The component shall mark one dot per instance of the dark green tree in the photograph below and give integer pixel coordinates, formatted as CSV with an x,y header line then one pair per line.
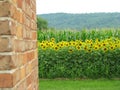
x,y
42,24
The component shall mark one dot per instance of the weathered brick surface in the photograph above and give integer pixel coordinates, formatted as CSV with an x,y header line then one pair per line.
x,y
7,62
6,44
16,77
4,27
18,45
4,9
6,80
22,72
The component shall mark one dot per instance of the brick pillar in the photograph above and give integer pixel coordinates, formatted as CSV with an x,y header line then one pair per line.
x,y
18,45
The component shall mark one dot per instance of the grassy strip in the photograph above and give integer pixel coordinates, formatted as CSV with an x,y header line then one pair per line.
x,y
79,85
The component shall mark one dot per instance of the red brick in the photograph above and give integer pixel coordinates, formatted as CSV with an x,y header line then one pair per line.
x,y
21,86
24,33
13,12
28,2
24,5
24,58
30,87
28,33
35,44
18,38
29,79
19,3
19,59
33,16
19,32
27,21
13,28
19,45
28,11
28,68
6,44
22,72
6,80
16,77
36,53
26,45
4,9
34,35
21,17
18,15
33,25
7,62
30,56
4,27
14,1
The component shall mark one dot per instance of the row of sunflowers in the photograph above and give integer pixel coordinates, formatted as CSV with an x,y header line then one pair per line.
x,y
88,45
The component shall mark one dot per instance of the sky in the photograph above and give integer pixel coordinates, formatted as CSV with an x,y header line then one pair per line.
x,y
77,6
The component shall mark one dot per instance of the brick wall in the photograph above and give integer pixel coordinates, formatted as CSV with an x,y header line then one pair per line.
x,y
18,45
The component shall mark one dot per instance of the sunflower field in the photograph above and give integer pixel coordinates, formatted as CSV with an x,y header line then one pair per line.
x,y
87,54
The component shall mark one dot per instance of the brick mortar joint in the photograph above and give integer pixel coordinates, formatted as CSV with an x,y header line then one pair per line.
x,y
5,18
7,53
4,0
7,71
10,19
11,2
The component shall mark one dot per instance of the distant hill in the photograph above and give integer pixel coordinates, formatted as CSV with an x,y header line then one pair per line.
x,y
80,21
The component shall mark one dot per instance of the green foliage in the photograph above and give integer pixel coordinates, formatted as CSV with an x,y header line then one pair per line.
x,y
69,35
68,62
80,21
79,64
42,24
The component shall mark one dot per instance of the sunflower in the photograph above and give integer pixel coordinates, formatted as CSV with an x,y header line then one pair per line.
x,y
61,44
43,47
80,43
105,49
51,44
87,41
99,45
47,44
41,44
52,39
111,47
85,48
56,48
91,44
67,44
103,44
70,50
116,45
96,47
78,47
73,43
58,45
89,50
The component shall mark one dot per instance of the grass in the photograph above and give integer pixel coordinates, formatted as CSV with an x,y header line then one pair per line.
x,y
79,85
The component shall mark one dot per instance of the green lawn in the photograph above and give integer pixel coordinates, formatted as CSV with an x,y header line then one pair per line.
x,y
79,85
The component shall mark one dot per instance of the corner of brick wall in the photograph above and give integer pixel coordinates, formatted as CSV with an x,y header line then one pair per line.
x,y
18,45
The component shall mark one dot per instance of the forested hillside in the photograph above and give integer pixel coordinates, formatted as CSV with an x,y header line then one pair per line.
x,y
80,21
